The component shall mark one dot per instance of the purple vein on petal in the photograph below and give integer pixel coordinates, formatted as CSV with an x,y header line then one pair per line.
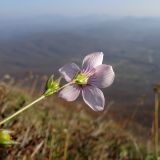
x,y
68,71
93,97
103,76
92,60
70,93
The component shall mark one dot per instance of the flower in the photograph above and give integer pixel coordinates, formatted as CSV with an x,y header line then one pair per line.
x,y
88,80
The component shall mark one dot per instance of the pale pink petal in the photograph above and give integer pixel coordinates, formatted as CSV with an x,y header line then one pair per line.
x,y
93,97
92,60
70,93
68,71
103,76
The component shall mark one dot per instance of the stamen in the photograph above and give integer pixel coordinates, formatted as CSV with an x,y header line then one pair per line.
x,y
81,79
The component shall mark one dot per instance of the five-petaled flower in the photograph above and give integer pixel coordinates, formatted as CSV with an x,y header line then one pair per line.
x,y
89,79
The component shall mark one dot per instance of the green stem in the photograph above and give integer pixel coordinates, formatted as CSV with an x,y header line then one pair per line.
x,y
66,146
29,105
156,124
22,110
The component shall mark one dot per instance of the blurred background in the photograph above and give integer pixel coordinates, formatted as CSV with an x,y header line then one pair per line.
x,y
38,37
41,36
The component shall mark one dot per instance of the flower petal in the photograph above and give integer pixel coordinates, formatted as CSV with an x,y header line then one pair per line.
x,y
92,60
70,93
93,97
103,76
68,71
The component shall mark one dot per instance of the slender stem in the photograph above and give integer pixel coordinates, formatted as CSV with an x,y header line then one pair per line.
x,y
66,146
22,110
29,105
156,124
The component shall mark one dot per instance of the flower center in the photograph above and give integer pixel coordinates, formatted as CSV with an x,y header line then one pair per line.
x,y
81,79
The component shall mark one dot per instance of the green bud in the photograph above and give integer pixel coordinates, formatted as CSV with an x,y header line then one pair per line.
x,y
52,86
5,138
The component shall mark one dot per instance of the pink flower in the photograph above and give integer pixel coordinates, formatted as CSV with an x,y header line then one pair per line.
x,y
88,80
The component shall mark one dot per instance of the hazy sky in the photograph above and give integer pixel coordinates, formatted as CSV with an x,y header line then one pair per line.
x,y
80,7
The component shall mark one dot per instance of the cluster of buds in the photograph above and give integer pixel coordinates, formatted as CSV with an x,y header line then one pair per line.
x,y
52,86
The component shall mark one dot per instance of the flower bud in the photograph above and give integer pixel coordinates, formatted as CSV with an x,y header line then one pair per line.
x,y
52,86
157,88
5,138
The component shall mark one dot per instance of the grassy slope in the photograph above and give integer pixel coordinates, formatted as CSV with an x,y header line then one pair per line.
x,y
57,130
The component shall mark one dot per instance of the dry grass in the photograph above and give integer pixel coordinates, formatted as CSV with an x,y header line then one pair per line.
x,y
56,130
